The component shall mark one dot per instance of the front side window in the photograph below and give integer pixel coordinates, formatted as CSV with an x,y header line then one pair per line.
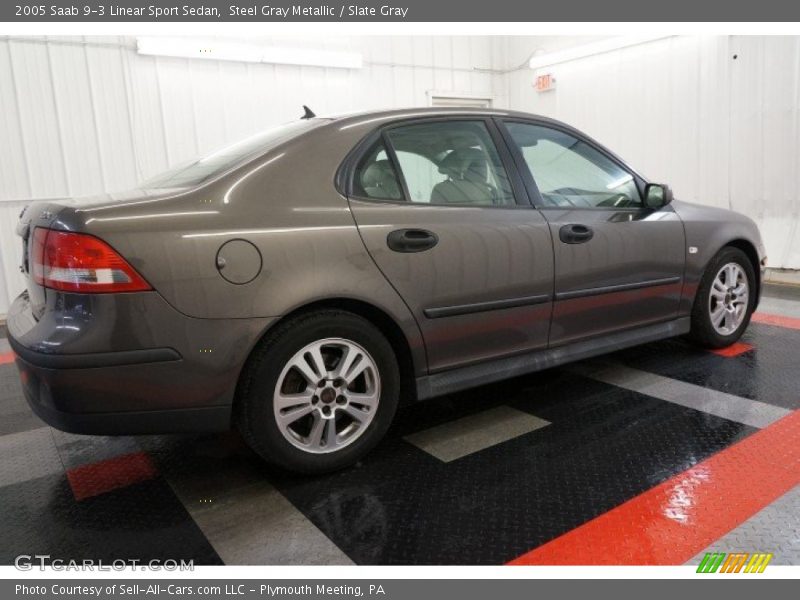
x,y
451,162
570,172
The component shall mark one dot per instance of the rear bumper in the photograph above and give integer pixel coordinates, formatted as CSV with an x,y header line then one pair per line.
x,y
93,360
56,387
128,364
38,392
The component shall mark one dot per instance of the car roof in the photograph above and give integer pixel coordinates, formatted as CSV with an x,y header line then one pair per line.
x,y
376,116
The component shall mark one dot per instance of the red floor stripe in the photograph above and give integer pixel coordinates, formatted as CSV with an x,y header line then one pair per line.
x,y
670,523
777,320
112,474
733,350
6,357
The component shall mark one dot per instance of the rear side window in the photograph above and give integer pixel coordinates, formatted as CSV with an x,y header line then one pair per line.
x,y
451,162
375,176
570,172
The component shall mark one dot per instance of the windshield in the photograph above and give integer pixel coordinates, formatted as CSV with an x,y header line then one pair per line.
x,y
198,170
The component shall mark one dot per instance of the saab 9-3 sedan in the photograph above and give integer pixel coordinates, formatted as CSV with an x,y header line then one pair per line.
x,y
297,284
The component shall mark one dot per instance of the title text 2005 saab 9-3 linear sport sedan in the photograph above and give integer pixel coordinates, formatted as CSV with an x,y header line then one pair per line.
x,y
298,283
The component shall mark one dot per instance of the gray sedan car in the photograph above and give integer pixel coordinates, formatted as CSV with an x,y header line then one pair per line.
x,y
299,283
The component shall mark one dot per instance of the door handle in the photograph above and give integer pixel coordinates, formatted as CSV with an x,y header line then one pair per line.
x,y
411,240
575,233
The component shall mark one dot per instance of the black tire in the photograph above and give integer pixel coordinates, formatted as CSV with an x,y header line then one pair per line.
x,y
253,408
703,332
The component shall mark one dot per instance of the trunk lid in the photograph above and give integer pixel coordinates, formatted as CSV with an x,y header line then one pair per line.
x,y
36,214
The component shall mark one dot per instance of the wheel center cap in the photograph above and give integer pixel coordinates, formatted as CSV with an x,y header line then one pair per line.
x,y
328,395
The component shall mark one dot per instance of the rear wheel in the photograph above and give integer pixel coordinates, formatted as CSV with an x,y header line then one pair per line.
x,y
318,392
725,299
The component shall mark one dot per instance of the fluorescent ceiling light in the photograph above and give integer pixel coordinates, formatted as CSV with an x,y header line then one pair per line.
x,y
189,48
585,50
216,50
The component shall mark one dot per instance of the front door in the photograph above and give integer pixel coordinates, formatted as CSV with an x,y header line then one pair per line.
x,y
617,264
456,236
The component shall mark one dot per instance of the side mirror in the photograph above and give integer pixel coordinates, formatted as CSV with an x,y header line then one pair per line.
x,y
657,195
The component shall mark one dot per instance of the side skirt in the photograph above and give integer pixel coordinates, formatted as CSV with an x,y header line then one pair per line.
x,y
463,378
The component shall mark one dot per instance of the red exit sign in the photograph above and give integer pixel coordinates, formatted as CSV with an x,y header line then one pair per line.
x,y
545,82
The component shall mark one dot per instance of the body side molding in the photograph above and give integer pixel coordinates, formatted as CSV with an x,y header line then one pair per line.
x,y
465,309
462,378
609,289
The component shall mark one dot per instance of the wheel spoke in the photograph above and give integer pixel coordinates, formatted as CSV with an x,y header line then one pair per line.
x,y
726,322
731,275
317,429
330,436
350,356
718,289
305,370
356,414
369,399
323,434
311,365
283,401
718,315
291,415
356,370
317,361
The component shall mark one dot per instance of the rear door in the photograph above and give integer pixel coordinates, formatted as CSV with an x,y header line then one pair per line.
x,y
449,224
617,264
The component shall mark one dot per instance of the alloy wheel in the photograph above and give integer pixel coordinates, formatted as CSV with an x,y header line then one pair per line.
x,y
728,299
327,395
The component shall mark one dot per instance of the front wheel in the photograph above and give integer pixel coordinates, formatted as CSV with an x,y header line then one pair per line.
x,y
725,299
318,392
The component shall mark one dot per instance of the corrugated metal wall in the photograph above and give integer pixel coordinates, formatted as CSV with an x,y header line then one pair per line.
x,y
721,130
80,116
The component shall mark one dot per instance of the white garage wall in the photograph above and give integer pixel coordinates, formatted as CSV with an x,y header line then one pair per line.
x,y
681,110
82,116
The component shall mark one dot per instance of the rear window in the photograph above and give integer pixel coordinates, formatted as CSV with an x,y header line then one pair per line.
x,y
201,169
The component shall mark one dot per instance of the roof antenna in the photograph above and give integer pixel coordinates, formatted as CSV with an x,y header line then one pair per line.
x,y
308,113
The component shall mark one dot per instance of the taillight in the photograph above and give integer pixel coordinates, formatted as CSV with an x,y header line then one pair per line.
x,y
77,262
